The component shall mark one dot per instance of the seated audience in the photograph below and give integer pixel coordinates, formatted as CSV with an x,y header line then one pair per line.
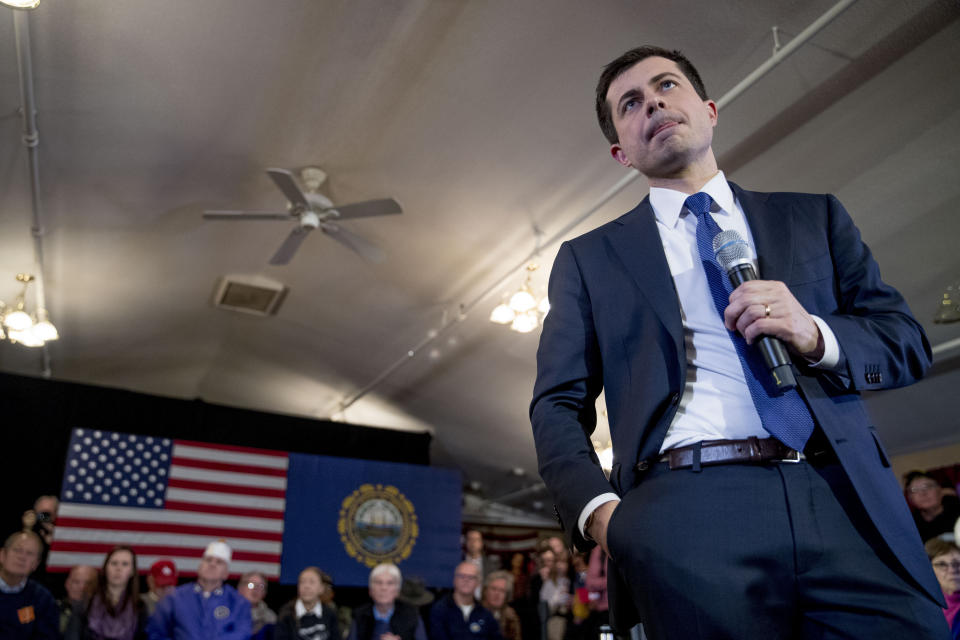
x,y
80,584
387,618
945,558
115,611
306,618
935,510
253,587
206,609
497,592
161,582
27,610
458,616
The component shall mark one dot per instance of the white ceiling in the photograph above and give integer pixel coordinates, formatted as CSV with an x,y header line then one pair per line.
x,y
477,116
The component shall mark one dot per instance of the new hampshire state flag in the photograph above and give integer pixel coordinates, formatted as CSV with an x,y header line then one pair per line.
x,y
346,516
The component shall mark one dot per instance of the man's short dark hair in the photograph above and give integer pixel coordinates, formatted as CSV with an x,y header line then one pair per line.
x,y
915,475
613,70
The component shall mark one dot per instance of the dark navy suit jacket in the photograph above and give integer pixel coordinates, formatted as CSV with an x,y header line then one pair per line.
x,y
615,324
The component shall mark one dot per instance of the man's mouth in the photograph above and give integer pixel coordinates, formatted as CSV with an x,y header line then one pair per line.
x,y
663,126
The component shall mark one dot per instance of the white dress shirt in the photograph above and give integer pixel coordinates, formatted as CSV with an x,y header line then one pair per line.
x,y
716,402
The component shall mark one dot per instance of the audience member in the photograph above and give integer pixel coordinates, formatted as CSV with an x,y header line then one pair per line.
x,y
474,552
27,610
597,590
934,510
414,592
253,587
520,574
387,618
497,592
115,611
206,609
80,584
161,582
945,558
458,616
42,520
555,594
306,618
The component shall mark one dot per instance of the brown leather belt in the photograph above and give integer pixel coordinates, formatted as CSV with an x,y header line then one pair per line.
x,y
714,452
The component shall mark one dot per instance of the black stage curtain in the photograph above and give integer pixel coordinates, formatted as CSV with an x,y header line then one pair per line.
x,y
38,416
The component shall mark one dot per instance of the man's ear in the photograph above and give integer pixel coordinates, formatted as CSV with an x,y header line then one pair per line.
x,y
617,152
711,111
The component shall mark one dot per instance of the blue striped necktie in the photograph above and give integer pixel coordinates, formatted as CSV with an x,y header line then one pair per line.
x,y
783,413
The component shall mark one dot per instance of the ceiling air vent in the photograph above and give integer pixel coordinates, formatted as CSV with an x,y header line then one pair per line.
x,y
256,295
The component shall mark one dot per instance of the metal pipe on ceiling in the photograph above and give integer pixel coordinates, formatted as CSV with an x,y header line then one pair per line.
x,y
804,36
31,140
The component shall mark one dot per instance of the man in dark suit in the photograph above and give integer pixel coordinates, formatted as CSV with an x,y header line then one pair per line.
x,y
734,509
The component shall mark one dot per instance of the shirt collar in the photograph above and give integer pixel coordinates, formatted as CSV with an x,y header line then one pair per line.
x,y
302,610
668,203
12,588
383,617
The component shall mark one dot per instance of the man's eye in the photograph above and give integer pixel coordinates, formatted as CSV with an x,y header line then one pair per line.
x,y
668,84
630,104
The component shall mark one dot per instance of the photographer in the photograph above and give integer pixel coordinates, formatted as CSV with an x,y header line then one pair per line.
x,y
42,520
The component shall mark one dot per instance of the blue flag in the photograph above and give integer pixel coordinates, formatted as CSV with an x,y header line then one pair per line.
x,y
345,516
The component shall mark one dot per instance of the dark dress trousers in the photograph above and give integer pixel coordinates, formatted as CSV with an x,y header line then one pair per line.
x,y
615,324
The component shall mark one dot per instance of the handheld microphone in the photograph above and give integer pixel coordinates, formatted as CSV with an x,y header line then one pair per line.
x,y
733,255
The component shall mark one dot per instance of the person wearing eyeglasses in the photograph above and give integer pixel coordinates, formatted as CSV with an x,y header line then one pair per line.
x,y
458,616
945,558
935,509
253,587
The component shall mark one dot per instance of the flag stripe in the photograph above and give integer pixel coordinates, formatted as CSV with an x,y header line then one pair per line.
x,y
230,511
139,539
229,478
271,453
213,498
227,466
245,459
72,528
158,550
225,488
116,516
186,565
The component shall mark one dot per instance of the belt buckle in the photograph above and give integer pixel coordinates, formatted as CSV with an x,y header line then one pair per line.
x,y
794,458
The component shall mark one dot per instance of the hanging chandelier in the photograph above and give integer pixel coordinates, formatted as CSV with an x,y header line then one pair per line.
x,y
21,327
522,310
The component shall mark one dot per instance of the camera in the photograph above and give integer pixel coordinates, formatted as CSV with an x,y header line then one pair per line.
x,y
44,516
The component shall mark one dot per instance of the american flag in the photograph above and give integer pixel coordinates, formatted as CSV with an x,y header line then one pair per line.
x,y
169,499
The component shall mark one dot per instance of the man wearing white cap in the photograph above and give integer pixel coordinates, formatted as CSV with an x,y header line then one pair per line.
x,y
206,609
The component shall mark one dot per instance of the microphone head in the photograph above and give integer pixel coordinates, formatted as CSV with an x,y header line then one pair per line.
x,y
730,249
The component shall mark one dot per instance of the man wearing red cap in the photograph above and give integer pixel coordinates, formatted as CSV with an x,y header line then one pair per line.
x,y
161,581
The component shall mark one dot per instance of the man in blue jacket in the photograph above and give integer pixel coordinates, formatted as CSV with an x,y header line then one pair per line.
x,y
206,609
27,610
458,616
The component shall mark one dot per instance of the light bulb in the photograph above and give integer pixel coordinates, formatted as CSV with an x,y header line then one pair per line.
x,y
18,321
44,330
522,301
25,337
525,322
544,306
502,314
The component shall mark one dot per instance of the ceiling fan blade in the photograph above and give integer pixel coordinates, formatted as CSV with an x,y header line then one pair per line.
x,y
352,241
285,182
384,207
290,245
246,215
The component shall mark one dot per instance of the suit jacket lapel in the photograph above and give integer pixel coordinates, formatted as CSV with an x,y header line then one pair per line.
x,y
772,234
637,243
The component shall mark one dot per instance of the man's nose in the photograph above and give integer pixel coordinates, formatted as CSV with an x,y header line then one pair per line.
x,y
655,104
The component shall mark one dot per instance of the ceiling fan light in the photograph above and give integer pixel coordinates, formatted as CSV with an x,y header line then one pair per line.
x,y
18,321
21,4
525,322
25,337
45,331
522,301
502,314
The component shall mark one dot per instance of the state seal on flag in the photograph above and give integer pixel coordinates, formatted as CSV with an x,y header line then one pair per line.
x,y
377,524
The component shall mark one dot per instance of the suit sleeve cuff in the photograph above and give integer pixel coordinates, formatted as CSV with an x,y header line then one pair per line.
x,y
831,348
590,508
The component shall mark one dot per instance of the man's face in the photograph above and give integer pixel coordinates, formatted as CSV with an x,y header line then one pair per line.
x,y
465,579
80,583
662,124
924,493
474,542
213,569
384,589
21,558
495,593
253,589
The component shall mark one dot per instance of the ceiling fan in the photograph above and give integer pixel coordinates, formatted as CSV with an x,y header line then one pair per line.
x,y
312,210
